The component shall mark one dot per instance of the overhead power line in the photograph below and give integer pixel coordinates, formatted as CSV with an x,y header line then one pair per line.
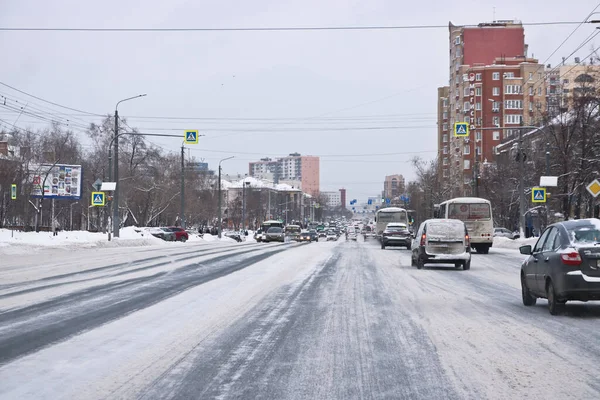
x,y
263,29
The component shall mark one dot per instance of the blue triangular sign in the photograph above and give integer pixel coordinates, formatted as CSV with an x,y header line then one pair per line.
x,y
539,195
98,199
191,136
461,130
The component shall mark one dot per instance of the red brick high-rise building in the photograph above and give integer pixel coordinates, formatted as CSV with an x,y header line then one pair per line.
x,y
492,84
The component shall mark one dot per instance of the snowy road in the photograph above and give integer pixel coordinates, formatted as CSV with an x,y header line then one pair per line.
x,y
323,320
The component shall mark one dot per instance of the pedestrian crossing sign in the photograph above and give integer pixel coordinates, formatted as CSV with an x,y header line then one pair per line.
x,y
461,129
191,137
538,195
98,199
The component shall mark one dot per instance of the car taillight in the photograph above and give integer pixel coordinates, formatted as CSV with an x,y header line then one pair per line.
x,y
572,258
423,237
467,240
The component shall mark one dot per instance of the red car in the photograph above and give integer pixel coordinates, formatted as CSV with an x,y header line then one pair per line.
x,y
180,234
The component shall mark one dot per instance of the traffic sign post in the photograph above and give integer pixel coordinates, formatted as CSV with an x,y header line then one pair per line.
x,y
98,199
594,188
461,129
538,195
13,191
190,137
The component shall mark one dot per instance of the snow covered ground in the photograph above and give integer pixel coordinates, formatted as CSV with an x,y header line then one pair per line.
x,y
325,320
506,243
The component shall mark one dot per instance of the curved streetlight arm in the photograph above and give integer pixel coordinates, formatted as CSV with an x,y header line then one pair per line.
x,y
129,98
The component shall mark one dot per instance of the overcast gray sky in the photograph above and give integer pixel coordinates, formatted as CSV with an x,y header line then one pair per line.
x,y
252,83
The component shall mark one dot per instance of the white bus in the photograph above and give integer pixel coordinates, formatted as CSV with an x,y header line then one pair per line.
x,y
476,213
389,214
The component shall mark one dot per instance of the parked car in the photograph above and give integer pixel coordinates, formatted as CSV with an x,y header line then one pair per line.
x,y
180,234
163,233
442,241
259,235
563,265
237,236
503,232
274,234
396,234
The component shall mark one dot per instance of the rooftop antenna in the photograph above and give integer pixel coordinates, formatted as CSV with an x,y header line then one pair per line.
x,y
494,19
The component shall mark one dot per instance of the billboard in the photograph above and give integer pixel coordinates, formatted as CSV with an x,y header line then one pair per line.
x,y
60,181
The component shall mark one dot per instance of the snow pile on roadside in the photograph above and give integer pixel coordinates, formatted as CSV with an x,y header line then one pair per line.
x,y
506,243
129,236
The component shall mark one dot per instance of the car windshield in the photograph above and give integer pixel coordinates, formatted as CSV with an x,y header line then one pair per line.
x,y
584,234
274,229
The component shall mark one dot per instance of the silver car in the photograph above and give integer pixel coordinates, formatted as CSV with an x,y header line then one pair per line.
x,y
443,241
274,234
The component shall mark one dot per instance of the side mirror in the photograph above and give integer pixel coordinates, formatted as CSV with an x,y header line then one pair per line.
x,y
525,250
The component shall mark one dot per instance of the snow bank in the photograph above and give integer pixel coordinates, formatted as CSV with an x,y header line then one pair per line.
x,y
506,243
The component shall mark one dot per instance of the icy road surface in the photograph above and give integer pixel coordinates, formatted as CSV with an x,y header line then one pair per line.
x,y
327,320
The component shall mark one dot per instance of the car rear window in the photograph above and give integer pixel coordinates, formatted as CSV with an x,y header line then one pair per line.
x,y
584,234
445,229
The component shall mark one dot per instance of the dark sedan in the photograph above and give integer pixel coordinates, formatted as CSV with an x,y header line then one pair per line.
x,y
563,265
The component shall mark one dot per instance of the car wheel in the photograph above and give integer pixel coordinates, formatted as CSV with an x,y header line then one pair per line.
x,y
466,265
528,298
420,263
183,239
554,306
409,247
458,264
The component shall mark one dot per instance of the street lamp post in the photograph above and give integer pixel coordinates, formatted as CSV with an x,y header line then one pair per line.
x,y
116,221
245,184
220,222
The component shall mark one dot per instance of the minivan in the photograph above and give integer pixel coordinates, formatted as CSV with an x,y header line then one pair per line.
x,y
442,241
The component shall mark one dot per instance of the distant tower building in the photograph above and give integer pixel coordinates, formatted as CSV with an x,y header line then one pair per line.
x,y
294,167
393,186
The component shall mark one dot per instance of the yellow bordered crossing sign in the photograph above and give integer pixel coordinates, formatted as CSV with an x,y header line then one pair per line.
x,y
538,195
190,137
461,129
98,199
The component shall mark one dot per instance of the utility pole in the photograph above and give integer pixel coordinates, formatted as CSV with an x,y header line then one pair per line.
x,y
547,174
116,221
182,187
521,184
220,222
243,204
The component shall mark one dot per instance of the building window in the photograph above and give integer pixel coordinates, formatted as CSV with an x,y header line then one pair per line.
x,y
496,121
445,173
531,90
467,164
456,80
496,106
509,74
445,151
539,91
477,136
444,127
466,106
444,115
496,135
478,91
566,81
457,92
466,91
496,91
531,76
513,118
513,104
467,150
479,121
445,102
445,138
457,40
445,162
496,76
513,89
478,106
478,150
539,76
467,118
530,106
478,77
458,52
